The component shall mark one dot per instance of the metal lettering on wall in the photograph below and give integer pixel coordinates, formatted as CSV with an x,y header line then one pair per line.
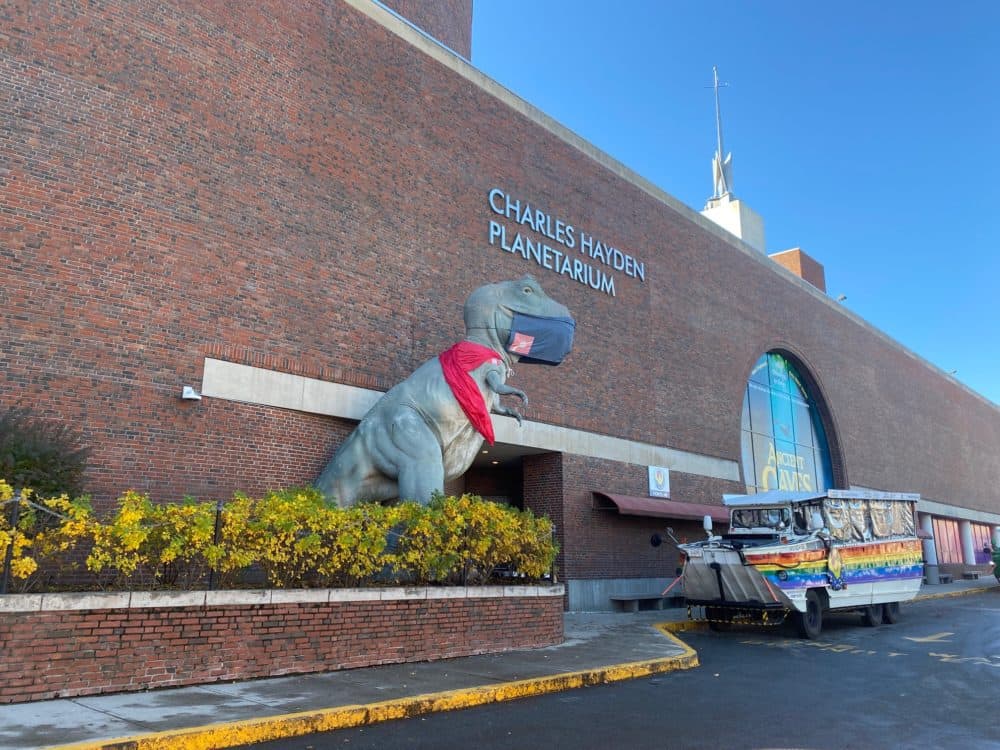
x,y
578,255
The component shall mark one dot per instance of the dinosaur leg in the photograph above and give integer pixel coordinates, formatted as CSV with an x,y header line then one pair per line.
x,y
416,453
341,479
351,475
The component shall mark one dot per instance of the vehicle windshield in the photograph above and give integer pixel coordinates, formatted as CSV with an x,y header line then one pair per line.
x,y
761,518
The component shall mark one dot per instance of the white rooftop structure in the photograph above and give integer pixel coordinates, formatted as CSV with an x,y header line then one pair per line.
x,y
723,207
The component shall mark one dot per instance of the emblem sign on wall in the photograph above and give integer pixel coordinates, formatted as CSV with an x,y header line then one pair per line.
x,y
659,481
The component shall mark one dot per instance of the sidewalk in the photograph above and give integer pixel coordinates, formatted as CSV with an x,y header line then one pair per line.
x,y
599,648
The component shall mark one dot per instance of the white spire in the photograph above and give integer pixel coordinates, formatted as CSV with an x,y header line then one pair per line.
x,y
722,169
723,208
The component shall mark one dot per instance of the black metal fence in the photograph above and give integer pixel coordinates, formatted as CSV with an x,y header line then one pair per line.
x,y
12,508
15,517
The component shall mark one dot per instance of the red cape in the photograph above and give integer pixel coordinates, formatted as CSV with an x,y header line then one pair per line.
x,y
456,364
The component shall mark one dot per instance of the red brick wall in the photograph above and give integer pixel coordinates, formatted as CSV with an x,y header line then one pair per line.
x,y
501,484
608,545
448,21
308,188
542,483
86,652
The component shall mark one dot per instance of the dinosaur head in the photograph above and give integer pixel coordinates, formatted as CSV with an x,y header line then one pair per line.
x,y
518,319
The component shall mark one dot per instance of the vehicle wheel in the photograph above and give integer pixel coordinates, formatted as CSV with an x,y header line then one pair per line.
x,y
890,613
872,615
810,622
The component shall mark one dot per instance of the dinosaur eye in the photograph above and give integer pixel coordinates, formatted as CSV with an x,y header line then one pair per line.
x,y
528,290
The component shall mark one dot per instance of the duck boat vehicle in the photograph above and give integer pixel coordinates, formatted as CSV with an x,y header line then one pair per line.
x,y
805,554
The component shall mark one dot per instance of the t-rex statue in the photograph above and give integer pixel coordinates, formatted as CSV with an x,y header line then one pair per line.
x,y
429,428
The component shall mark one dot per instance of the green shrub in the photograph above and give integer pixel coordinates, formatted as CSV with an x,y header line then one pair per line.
x,y
43,542
126,550
285,533
46,456
293,537
467,540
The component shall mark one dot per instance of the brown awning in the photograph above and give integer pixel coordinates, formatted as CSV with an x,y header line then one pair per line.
x,y
629,505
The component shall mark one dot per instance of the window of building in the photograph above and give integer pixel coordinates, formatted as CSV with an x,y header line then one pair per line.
x,y
981,543
947,541
784,445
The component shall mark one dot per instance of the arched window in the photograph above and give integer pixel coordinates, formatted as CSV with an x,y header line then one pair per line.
x,y
784,444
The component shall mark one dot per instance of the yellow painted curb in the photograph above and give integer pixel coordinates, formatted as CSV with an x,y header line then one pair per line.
x,y
684,626
950,594
230,734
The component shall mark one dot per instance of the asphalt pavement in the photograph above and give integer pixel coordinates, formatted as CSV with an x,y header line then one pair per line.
x,y
598,648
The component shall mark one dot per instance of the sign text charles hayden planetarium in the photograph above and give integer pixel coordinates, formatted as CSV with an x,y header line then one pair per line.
x,y
590,262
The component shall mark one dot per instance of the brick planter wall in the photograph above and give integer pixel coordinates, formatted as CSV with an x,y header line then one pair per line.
x,y
63,645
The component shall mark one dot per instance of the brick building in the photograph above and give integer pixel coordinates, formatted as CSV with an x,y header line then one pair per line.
x,y
285,207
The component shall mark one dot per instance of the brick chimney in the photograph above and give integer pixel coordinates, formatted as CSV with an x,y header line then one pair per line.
x,y
802,266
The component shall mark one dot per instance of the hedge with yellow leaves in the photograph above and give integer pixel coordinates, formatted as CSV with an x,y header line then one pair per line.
x,y
47,531
285,539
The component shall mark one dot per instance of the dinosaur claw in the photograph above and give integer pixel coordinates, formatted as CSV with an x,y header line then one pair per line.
x,y
509,412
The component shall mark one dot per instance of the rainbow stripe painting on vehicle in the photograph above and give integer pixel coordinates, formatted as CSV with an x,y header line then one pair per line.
x,y
871,562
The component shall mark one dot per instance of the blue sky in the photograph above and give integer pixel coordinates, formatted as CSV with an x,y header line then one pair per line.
x,y
865,133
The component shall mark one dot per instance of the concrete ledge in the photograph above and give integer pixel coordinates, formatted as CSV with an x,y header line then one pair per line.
x,y
85,600
300,596
256,385
21,603
140,599
238,597
355,595
395,594
486,592
448,592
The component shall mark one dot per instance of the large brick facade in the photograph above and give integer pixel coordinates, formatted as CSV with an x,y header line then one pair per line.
x,y
307,192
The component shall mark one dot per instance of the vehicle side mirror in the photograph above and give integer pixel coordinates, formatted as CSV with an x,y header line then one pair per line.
x,y
706,524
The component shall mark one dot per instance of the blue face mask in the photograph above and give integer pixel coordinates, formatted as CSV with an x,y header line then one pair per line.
x,y
541,341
